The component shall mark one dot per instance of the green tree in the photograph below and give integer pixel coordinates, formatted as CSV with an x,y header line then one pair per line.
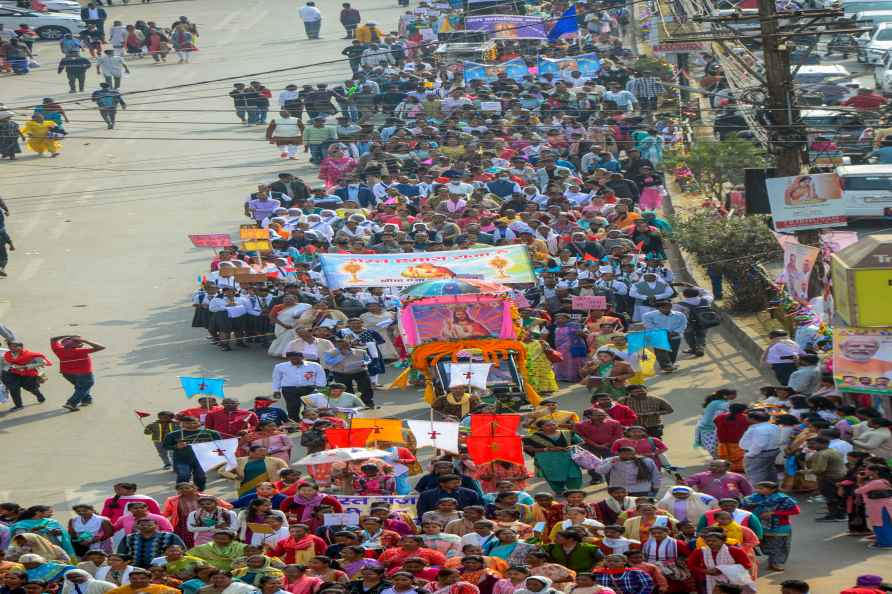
x,y
735,248
715,163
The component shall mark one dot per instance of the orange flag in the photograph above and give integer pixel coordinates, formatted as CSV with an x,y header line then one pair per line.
x,y
382,429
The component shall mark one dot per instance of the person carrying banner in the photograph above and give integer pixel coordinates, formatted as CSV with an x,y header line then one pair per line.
x,y
185,462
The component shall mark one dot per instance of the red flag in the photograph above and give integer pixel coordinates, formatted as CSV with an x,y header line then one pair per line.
x,y
486,449
639,246
494,425
142,414
347,438
589,258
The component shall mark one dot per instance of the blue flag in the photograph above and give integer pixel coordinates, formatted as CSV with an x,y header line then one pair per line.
x,y
566,24
657,339
202,385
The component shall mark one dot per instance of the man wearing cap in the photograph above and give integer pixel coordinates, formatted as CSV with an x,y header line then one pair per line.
x,y
674,323
295,378
646,293
231,421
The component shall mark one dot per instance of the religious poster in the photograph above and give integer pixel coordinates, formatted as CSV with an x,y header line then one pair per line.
x,y
456,321
806,201
587,64
862,360
515,69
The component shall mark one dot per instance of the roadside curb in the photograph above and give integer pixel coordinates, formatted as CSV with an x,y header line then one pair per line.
x,y
678,260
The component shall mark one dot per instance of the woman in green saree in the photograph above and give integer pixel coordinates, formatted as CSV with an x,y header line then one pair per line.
x,y
550,449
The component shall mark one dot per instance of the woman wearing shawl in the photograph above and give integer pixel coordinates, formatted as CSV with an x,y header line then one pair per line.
x,y
738,535
117,570
669,555
38,568
300,508
88,530
258,566
268,435
209,518
506,547
705,562
716,403
607,373
474,572
221,551
38,519
179,564
78,581
335,166
537,584
638,527
300,547
284,317
683,503
567,337
178,507
22,544
255,468
353,561
550,449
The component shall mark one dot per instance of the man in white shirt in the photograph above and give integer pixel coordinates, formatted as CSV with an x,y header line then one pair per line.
x,y
761,442
296,378
312,19
624,100
112,67
781,355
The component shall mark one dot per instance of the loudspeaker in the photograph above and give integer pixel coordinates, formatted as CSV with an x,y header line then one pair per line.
x,y
754,190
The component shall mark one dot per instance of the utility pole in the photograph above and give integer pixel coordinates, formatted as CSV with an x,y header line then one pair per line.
x,y
787,138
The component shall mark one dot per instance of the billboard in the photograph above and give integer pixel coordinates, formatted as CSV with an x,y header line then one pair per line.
x,y
806,201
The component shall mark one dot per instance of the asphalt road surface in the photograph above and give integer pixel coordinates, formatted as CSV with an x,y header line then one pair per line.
x,y
102,250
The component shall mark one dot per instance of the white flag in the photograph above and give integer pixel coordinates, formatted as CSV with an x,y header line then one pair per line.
x,y
473,374
212,454
436,434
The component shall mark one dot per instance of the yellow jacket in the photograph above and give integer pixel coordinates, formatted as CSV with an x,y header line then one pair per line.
x,y
364,33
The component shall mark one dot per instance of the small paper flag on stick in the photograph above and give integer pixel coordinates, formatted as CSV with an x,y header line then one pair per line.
x,y
142,414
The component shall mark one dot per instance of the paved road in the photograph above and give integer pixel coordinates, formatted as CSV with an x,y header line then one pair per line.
x,y
102,251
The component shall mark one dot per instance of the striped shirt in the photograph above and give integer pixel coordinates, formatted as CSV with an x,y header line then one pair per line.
x,y
144,549
649,409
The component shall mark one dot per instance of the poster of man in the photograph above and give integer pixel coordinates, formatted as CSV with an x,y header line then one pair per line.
x,y
862,360
799,260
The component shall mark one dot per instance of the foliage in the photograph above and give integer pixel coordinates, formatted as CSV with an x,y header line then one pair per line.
x,y
733,247
648,65
718,162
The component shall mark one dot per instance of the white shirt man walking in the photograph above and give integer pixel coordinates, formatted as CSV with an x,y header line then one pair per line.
x,y
296,378
761,442
312,19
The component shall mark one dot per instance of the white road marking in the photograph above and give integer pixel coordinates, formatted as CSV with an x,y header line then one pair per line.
x,y
254,22
30,270
225,22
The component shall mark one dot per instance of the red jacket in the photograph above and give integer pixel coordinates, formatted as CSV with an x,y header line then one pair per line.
x,y
24,358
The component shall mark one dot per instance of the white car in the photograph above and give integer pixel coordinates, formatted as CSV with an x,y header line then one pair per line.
x,y
69,6
882,75
874,50
48,25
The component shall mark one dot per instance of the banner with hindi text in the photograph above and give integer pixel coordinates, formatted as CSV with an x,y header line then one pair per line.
x,y
508,26
502,264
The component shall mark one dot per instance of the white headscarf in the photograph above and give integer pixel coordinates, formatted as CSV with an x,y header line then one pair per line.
x,y
91,586
696,504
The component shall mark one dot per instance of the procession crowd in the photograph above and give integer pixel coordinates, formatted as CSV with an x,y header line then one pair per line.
x,y
409,161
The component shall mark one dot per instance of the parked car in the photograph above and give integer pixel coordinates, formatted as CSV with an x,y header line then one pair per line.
x,y
882,75
847,130
48,25
69,6
879,42
866,190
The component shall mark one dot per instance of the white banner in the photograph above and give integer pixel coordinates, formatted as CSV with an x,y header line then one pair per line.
x,y
469,374
212,454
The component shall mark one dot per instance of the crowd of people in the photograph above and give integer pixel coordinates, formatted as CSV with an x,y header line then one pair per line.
x,y
570,166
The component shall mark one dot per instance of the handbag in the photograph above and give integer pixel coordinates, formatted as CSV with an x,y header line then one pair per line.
x,y
553,355
584,458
